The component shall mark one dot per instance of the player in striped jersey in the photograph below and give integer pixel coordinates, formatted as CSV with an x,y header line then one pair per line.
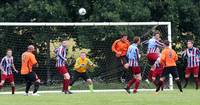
x,y
192,54
152,55
6,67
133,60
61,67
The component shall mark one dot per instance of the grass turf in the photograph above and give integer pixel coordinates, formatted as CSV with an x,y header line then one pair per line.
x,y
189,97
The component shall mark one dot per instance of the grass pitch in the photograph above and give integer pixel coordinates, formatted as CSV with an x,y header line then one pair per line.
x,y
189,97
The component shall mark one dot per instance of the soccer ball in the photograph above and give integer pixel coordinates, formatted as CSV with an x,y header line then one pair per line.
x,y
82,11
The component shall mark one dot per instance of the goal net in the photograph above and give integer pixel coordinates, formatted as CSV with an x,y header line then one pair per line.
x,y
94,38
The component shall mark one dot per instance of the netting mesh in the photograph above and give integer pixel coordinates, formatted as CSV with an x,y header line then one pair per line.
x,y
95,40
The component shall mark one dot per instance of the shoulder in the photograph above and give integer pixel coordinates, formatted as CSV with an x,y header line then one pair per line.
x,y
78,59
4,58
31,55
127,41
87,59
116,41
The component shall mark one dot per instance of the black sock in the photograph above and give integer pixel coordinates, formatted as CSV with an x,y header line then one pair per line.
x,y
178,82
159,85
28,85
36,87
186,82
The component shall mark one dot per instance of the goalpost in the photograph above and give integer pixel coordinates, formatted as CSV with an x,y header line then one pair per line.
x,y
75,26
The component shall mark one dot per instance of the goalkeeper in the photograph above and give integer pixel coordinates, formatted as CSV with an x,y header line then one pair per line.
x,y
81,67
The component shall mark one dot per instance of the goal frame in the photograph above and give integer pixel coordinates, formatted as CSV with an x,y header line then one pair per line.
x,y
168,24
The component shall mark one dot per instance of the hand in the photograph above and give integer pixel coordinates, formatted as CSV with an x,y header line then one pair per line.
x,y
94,65
37,65
82,65
4,73
16,71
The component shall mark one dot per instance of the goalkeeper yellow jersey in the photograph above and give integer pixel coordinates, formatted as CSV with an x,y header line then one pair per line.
x,y
82,65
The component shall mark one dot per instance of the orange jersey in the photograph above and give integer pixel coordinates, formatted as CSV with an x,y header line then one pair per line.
x,y
28,60
120,47
168,57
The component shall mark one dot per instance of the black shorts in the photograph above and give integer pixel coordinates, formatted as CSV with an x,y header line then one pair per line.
x,y
31,77
170,70
78,75
123,59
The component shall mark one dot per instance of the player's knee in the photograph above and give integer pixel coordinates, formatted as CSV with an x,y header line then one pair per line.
x,y
89,81
12,84
187,76
38,80
177,78
2,82
138,77
162,79
195,75
153,78
66,76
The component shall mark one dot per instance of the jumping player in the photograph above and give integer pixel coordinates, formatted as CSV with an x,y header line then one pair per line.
x,y
81,66
28,62
61,67
152,55
120,48
192,54
133,59
168,60
6,67
157,71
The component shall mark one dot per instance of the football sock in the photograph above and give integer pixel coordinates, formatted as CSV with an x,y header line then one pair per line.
x,y
155,83
28,85
65,85
130,83
13,89
91,88
137,84
36,87
178,82
1,86
159,85
196,82
186,82
150,75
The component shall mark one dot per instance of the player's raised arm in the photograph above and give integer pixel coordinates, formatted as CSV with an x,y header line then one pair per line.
x,y
159,44
145,42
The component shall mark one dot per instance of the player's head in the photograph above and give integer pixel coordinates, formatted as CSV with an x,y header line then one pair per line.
x,y
190,43
9,52
124,37
157,34
31,48
83,55
166,43
64,43
136,40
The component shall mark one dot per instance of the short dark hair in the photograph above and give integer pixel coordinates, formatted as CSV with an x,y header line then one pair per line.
x,y
122,35
191,41
156,32
136,39
166,42
9,49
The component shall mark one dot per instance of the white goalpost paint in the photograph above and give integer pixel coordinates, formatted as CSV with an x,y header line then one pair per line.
x,y
168,24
